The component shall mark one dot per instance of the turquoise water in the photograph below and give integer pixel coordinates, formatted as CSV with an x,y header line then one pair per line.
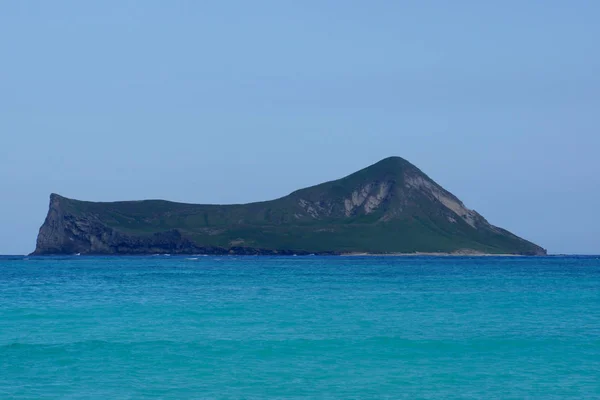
x,y
299,327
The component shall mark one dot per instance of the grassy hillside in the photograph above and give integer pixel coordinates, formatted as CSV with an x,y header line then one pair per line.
x,y
388,207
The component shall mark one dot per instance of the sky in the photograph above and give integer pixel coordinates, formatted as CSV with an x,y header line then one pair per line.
x,y
239,101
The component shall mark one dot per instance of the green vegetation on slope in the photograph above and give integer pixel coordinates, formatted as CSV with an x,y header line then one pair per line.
x,y
388,207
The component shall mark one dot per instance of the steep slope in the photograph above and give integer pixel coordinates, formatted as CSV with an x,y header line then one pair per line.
x,y
389,207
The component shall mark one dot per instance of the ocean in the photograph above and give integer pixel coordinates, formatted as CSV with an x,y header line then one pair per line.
x,y
299,327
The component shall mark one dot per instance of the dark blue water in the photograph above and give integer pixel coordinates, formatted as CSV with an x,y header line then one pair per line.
x,y
300,327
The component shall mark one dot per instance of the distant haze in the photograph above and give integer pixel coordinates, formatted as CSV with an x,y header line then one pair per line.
x,y
232,102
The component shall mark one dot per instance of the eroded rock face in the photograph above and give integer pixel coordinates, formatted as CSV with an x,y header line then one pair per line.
x,y
365,199
51,235
436,192
311,208
64,233
369,197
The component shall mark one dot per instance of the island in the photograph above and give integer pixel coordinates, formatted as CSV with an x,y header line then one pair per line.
x,y
390,207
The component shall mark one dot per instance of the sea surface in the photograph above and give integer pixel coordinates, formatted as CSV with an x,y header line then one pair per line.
x,y
299,327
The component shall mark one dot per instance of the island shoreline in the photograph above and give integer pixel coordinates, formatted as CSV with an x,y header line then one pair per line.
x,y
286,254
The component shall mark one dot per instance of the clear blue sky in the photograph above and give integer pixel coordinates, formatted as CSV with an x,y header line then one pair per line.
x,y
236,101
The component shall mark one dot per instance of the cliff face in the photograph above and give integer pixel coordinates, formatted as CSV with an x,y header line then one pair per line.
x,y
66,233
63,232
388,207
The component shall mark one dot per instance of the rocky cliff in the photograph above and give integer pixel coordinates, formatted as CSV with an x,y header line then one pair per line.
x,y
389,207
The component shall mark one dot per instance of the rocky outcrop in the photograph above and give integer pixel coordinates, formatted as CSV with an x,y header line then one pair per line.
x,y
389,207
66,233
368,197
428,187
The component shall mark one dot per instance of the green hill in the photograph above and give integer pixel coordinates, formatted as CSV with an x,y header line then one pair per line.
x,y
389,207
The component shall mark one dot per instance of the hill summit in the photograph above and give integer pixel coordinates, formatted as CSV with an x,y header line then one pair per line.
x,y
388,207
